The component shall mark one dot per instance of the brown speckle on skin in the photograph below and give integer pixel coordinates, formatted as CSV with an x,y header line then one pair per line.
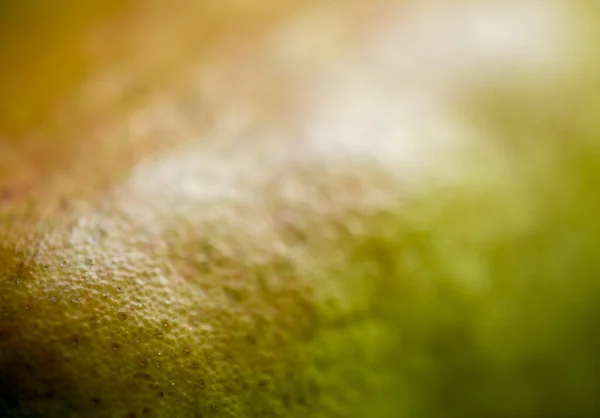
x,y
6,194
64,204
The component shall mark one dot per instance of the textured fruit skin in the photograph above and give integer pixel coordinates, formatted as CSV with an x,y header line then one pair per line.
x,y
96,320
247,274
125,294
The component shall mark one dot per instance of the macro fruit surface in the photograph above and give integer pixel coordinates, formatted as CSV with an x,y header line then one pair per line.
x,y
245,209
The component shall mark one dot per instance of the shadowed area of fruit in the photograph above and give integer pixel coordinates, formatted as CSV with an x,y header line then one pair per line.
x,y
242,209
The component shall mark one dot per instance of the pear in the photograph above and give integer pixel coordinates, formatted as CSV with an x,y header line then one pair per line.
x,y
305,218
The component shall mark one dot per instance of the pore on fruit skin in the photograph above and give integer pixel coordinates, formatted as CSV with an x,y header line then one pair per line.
x,y
354,210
